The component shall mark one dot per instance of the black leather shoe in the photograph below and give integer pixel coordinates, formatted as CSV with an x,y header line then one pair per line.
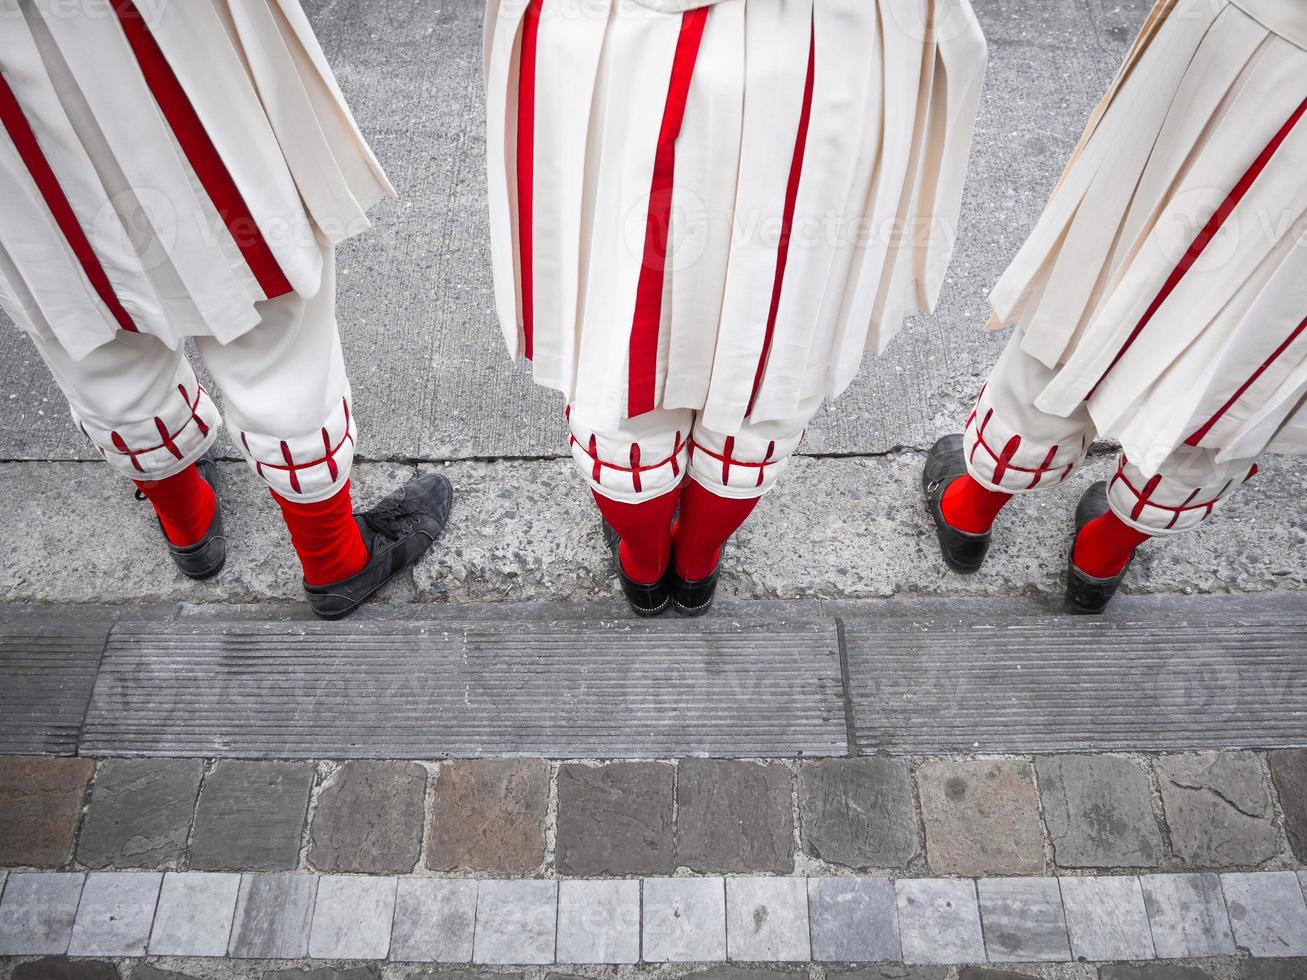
x,y
694,598
1085,594
963,552
205,558
398,531
644,600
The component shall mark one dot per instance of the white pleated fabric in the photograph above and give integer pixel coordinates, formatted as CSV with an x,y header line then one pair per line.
x,y
256,77
1164,282
874,189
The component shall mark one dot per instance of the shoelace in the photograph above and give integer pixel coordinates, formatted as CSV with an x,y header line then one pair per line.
x,y
390,518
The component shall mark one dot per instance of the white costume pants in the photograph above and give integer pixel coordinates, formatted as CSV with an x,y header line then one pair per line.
x,y
648,456
1014,447
284,390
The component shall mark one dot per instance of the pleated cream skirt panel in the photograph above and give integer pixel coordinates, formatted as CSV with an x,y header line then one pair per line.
x,y
803,160
1165,280
266,100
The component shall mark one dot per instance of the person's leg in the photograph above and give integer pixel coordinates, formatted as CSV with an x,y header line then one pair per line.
x,y
635,474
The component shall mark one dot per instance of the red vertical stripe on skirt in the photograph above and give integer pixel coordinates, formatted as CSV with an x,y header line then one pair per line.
x,y
1209,232
200,151
526,139
643,354
33,157
787,221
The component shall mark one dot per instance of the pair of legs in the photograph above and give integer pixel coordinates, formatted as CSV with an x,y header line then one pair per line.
x,y
1011,447
656,464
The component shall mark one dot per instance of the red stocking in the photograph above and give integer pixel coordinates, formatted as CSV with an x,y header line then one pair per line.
x,y
970,507
1105,545
326,537
646,532
185,505
706,522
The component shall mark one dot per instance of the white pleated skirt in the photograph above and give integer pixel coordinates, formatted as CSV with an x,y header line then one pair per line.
x,y
1166,283
719,206
165,166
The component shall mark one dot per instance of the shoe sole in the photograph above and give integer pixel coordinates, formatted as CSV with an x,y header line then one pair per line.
x,y
363,599
693,611
649,613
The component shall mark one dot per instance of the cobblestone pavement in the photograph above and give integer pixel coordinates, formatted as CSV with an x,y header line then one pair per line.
x,y
1187,865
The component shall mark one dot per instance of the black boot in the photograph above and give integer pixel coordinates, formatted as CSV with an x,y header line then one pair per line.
x,y
1085,594
205,558
644,600
694,598
963,552
398,531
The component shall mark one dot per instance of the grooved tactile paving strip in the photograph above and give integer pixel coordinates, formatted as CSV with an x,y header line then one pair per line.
x,y
430,690
1075,684
47,671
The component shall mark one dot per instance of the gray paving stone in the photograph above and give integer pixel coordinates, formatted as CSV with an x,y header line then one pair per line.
x,y
734,816
735,971
1099,812
455,974
369,818
615,819
147,971
516,922
1187,915
891,971
981,816
195,914
140,813
767,920
61,968
115,913
251,816
352,918
434,920
599,921
684,920
1152,971
1283,969
1023,920
1289,774
854,920
991,973
489,815
37,912
1106,918
859,813
365,972
1267,913
273,915
40,806
939,920
1218,808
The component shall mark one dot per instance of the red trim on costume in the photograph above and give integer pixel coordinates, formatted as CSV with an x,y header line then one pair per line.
x,y
1198,436
1208,233
636,468
292,468
1044,467
168,438
1004,466
636,483
1005,459
200,151
1144,497
526,138
771,451
728,460
33,157
642,365
787,221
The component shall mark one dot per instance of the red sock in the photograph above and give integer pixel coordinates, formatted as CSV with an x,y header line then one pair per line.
x,y
185,505
706,522
646,533
326,537
1105,545
969,507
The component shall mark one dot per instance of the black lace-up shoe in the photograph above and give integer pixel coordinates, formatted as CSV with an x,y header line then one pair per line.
x,y
205,558
644,600
963,552
398,531
1085,594
695,597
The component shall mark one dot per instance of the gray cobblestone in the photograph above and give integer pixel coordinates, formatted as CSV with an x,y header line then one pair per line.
x,y
1106,918
734,817
1187,915
1099,812
1023,920
369,818
1218,808
273,915
40,806
195,914
37,912
61,968
939,921
352,918
1153,971
767,920
115,913
140,813
434,920
489,815
598,921
1267,913
1289,773
1282,969
982,817
853,920
251,816
684,920
516,922
615,819
858,813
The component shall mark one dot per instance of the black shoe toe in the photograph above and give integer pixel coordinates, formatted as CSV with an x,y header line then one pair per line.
x,y
961,551
1086,595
